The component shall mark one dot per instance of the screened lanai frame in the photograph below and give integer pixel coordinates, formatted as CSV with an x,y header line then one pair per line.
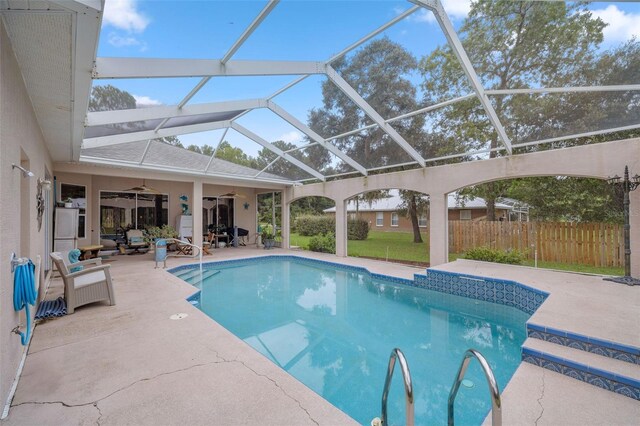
x,y
184,118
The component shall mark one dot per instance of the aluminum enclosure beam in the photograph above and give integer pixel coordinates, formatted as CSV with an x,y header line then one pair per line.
x,y
441,16
250,29
315,137
151,134
139,114
248,133
373,114
616,88
107,68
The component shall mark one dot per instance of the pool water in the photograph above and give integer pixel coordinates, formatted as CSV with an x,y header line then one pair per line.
x,y
334,329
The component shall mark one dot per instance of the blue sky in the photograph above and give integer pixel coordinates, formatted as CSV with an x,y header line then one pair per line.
x,y
295,30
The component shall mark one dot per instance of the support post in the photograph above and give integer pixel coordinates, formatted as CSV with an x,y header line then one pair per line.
x,y
634,221
341,228
197,212
286,217
438,229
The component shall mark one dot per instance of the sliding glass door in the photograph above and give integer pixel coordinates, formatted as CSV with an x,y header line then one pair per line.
x,y
121,211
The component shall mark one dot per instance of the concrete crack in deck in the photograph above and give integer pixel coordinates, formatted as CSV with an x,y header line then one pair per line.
x,y
281,390
144,379
99,412
540,400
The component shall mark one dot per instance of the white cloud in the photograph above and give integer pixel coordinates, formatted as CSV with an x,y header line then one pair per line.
x,y
291,137
145,101
621,25
126,41
456,9
123,14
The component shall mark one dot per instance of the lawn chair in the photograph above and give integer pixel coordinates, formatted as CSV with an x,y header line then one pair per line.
x,y
135,241
91,284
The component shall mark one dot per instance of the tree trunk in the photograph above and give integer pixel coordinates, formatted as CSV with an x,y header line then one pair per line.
x,y
413,212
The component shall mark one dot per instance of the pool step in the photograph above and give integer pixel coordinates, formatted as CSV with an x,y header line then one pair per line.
x,y
608,373
195,278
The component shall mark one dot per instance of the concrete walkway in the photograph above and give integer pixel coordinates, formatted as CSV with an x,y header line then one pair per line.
x,y
131,364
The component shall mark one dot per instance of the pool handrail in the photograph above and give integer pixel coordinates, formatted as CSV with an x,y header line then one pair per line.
x,y
408,386
177,240
496,402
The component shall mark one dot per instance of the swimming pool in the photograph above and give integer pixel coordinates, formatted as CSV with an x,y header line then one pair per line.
x,y
333,328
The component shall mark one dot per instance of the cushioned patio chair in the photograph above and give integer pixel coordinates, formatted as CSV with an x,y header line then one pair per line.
x,y
91,284
135,241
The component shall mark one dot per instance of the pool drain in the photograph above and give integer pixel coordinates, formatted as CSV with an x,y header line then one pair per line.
x,y
178,316
467,383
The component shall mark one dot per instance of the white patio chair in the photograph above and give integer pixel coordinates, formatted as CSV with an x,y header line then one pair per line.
x,y
91,284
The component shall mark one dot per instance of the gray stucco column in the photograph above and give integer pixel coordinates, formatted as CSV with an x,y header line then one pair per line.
x,y
438,229
197,213
634,221
286,218
341,228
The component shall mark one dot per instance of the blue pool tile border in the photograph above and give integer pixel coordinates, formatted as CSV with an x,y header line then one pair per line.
x,y
594,376
502,292
581,342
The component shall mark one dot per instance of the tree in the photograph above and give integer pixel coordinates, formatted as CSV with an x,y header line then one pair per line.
x,y
110,98
235,155
511,45
380,73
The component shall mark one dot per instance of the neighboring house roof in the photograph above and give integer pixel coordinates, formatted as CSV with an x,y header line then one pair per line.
x,y
170,156
394,201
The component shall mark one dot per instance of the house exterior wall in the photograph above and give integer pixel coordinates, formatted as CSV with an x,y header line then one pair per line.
x,y
96,183
21,140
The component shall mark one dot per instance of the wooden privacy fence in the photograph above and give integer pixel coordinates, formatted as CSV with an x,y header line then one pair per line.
x,y
596,244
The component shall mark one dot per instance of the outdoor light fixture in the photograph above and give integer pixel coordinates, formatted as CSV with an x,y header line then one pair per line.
x,y
25,172
626,185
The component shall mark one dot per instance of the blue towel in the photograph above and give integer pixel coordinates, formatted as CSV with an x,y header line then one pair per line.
x,y
51,308
74,257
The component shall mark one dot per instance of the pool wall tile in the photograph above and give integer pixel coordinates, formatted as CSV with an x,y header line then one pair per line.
x,y
603,379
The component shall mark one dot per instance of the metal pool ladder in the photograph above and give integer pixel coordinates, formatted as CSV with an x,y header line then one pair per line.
x,y
496,403
408,387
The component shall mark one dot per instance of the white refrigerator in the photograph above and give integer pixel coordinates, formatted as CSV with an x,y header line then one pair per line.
x,y
65,237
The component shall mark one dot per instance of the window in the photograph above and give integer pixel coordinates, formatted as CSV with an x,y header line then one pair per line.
x,y
379,219
394,219
422,220
120,211
465,214
78,196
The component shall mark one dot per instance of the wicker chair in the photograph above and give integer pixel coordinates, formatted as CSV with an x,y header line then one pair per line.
x,y
91,284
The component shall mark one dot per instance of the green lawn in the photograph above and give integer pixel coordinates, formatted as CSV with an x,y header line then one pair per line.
x,y
400,246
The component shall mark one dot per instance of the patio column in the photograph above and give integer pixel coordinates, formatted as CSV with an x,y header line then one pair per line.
x,y
197,212
438,229
341,228
634,221
286,217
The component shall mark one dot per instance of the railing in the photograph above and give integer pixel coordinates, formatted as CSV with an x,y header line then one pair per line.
x,y
408,387
176,240
496,403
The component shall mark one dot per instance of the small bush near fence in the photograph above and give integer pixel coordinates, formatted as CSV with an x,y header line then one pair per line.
x,y
487,254
325,243
357,229
309,225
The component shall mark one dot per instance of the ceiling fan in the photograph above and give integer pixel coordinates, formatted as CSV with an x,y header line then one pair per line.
x,y
232,194
143,189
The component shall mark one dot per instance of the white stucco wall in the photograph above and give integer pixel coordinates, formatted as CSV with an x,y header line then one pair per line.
x,y
20,137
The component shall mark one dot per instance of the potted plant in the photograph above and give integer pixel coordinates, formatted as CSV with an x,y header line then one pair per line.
x,y
68,203
268,237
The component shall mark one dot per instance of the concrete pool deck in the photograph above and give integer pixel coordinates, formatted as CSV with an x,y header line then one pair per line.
x,y
131,364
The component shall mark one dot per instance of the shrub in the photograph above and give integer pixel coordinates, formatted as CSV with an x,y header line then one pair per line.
x,y
513,257
310,225
357,229
325,243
